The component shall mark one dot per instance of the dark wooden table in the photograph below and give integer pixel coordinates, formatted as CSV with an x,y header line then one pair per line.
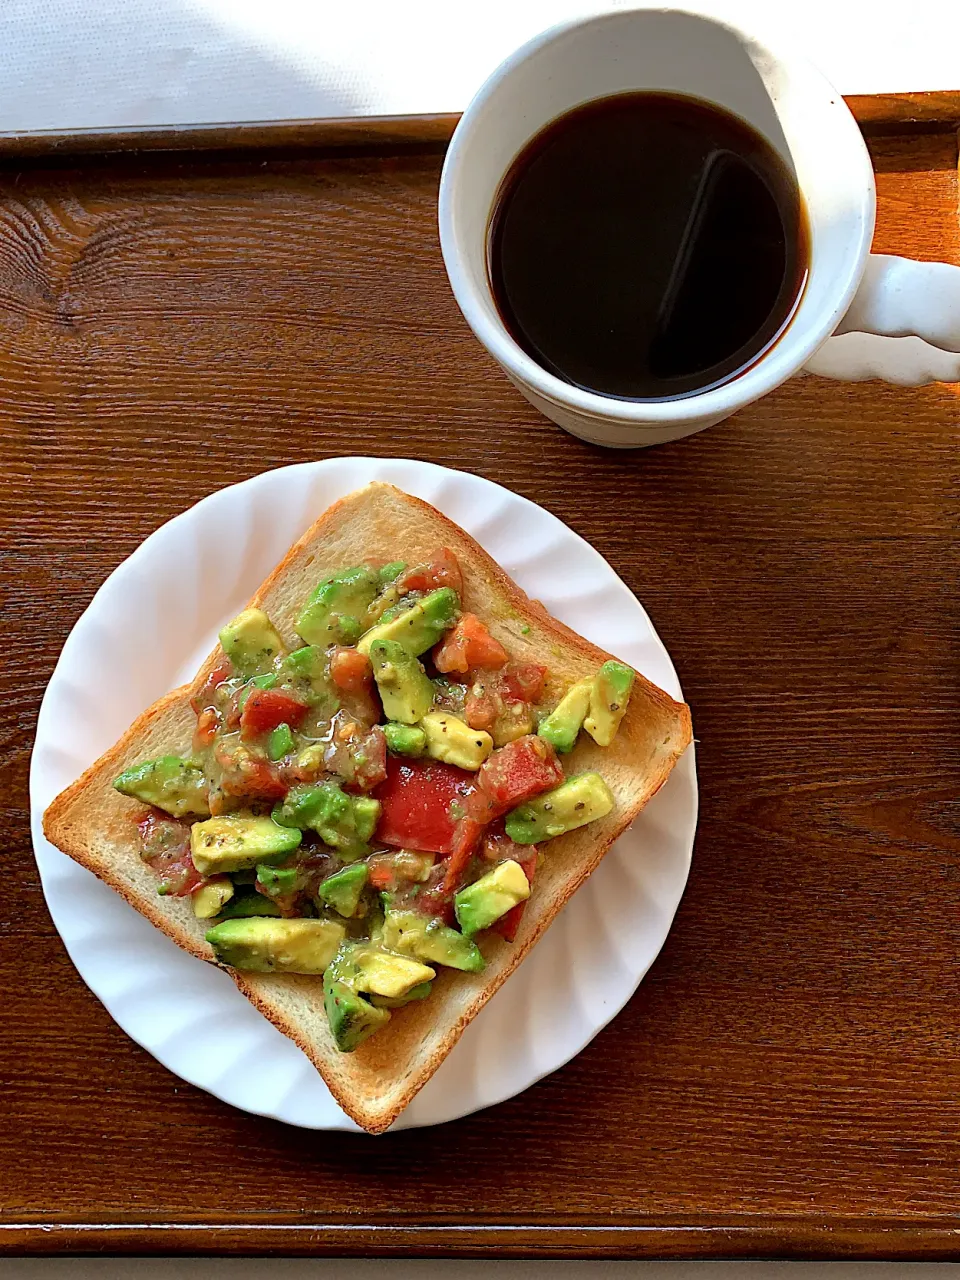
x,y
786,1080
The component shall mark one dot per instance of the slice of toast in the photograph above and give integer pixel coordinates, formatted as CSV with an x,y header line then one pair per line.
x,y
96,825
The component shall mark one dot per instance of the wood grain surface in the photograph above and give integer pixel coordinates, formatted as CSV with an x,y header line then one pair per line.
x,y
786,1080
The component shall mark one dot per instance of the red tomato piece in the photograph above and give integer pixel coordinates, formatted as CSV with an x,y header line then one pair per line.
x,y
220,802
247,776
264,709
491,695
508,924
350,670
403,867
481,706
466,839
357,754
208,722
165,845
231,712
523,681
442,570
496,843
206,697
434,900
416,801
514,774
381,874
469,644
368,756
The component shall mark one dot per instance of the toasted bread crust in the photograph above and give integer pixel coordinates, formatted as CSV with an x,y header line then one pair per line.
x,y
94,825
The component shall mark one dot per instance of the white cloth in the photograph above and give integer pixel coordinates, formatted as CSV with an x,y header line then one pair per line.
x,y
73,64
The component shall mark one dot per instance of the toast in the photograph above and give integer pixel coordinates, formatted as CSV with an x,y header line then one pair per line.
x,y
91,822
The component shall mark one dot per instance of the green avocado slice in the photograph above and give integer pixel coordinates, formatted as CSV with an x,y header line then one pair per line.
x,y
173,784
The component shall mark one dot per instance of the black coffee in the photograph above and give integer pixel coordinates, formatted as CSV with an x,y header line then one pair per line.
x,y
647,246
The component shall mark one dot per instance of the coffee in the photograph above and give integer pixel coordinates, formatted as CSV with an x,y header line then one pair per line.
x,y
647,246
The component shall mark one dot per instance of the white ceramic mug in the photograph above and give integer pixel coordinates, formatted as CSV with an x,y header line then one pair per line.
x,y
800,114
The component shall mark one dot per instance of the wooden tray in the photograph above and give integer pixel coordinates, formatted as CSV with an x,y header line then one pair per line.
x,y
180,311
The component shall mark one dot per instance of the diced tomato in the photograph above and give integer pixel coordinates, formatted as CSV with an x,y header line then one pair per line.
x,y
434,900
363,705
514,774
307,766
469,644
357,754
206,696
231,712
523,681
369,760
508,924
495,842
208,722
381,875
220,802
264,709
416,801
466,838
350,670
352,673
505,696
165,845
259,780
391,870
247,775
442,570
481,706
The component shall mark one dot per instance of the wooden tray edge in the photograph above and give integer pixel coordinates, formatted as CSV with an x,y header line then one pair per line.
x,y
876,113
357,132
745,1237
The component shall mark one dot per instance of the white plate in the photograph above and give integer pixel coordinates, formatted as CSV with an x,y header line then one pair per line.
x,y
147,630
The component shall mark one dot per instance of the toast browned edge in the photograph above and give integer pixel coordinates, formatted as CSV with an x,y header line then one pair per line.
x,y
61,832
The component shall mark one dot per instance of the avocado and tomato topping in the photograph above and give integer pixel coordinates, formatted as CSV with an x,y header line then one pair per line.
x,y
366,803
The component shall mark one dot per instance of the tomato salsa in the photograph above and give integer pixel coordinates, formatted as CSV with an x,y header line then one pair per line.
x,y
370,802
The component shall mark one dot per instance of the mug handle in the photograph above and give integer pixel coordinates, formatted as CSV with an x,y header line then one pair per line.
x,y
898,298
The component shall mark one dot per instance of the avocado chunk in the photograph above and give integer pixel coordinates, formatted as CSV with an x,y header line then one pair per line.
x,y
248,903
237,841
280,742
609,696
405,690
352,1019
337,610
390,572
454,742
210,898
384,973
342,890
419,992
372,970
430,940
418,628
562,725
266,945
306,673
344,822
177,786
251,642
278,882
492,896
573,804
404,739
